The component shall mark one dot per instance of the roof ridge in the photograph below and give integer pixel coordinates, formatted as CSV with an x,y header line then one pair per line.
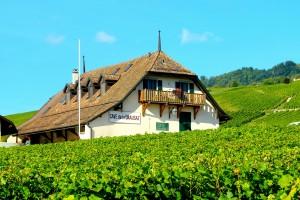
x,y
113,65
154,61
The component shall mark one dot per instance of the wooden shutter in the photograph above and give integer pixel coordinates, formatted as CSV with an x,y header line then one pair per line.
x,y
177,85
159,84
145,84
192,90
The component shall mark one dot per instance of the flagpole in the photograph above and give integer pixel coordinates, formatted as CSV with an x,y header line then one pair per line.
x,y
79,88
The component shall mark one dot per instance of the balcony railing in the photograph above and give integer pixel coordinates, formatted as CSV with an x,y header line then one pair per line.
x,y
171,97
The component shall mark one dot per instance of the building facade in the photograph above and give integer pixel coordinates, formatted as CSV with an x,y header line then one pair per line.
x,y
149,94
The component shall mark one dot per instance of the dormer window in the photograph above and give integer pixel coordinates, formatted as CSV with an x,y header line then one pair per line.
x,y
70,91
109,83
91,89
68,96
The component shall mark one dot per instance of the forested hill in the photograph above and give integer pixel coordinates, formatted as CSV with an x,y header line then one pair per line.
x,y
282,72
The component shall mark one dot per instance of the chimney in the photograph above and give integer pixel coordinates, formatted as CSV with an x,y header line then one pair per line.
x,y
83,64
74,76
159,42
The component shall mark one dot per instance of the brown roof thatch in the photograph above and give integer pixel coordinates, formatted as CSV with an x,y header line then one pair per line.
x,y
56,115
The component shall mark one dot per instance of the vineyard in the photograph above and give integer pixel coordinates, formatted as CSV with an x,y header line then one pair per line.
x,y
256,155
247,103
277,119
228,163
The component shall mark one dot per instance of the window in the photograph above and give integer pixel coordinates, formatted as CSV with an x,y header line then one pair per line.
x,y
118,107
128,67
152,84
115,71
185,87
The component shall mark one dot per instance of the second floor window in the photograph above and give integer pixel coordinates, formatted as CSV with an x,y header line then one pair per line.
x,y
152,84
185,87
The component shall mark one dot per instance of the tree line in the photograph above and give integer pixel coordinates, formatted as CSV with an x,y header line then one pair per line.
x,y
281,73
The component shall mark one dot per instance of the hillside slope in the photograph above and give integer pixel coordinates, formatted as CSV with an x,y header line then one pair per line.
x,y
247,103
20,118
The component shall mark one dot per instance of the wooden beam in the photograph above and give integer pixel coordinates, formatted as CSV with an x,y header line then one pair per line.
x,y
170,111
74,132
65,135
51,134
46,136
179,108
196,110
161,109
144,107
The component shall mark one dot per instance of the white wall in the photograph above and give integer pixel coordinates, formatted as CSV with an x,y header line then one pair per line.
x,y
206,118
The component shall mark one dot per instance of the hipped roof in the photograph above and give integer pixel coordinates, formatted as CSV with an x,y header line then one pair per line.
x,y
55,115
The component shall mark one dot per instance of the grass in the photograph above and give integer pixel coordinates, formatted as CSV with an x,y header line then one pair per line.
x,y
20,118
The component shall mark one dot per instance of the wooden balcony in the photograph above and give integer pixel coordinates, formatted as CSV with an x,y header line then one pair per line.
x,y
171,97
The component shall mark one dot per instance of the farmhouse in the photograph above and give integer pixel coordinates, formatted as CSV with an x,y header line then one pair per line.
x,y
6,127
149,94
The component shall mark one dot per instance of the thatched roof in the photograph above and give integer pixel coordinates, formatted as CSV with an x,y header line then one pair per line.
x,y
56,115
7,126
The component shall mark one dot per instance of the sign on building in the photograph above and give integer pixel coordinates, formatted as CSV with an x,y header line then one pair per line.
x,y
124,117
162,126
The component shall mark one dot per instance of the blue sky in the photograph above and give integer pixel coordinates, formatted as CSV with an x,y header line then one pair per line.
x,y
38,39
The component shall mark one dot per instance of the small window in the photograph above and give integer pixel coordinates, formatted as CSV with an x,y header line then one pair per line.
x,y
128,67
115,71
118,107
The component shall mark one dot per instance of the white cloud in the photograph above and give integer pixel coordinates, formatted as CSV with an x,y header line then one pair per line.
x,y
190,37
105,37
55,39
